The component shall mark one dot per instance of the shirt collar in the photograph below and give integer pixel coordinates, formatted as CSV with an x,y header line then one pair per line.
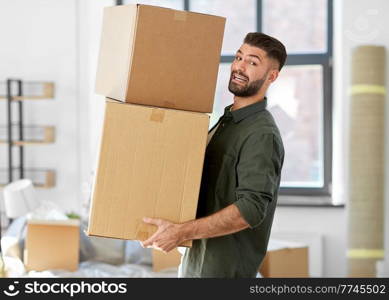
x,y
242,113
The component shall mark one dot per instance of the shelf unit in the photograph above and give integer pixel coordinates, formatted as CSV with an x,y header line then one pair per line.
x,y
16,92
31,90
33,135
42,178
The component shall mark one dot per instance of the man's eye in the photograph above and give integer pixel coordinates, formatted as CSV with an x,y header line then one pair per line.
x,y
253,63
238,58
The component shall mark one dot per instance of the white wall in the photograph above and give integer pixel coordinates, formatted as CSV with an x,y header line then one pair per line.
x,y
366,22
38,42
357,22
58,41
327,223
91,105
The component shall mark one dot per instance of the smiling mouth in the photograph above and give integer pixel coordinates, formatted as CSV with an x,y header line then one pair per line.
x,y
239,78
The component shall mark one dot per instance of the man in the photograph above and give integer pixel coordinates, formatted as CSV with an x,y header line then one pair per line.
x,y
241,175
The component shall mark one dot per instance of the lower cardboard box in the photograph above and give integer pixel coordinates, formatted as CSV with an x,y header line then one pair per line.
x,y
150,165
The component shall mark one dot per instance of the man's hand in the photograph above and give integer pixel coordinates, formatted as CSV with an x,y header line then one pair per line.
x,y
170,235
167,237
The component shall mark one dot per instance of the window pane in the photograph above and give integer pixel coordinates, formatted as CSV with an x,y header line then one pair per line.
x,y
300,24
295,101
299,116
241,19
175,4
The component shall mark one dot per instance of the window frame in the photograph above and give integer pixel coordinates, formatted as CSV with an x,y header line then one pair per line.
x,y
325,60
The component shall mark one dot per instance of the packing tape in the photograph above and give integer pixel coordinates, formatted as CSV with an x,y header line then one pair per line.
x,y
142,235
180,15
367,89
157,115
365,253
144,231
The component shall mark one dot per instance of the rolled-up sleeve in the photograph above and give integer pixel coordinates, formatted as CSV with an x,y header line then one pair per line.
x,y
258,172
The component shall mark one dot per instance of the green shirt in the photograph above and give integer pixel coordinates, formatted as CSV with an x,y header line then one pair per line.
x,y
242,166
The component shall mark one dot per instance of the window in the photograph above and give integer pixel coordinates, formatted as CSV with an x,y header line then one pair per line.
x,y
300,99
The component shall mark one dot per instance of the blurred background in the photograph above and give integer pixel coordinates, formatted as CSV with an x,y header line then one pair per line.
x,y
53,47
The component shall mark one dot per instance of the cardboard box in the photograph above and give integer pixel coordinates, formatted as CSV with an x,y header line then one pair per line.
x,y
52,245
285,260
163,261
150,165
160,57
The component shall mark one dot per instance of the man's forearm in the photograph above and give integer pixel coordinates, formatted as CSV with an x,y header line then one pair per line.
x,y
226,221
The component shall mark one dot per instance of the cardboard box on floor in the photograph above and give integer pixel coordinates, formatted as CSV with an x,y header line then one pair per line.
x,y
163,261
150,165
285,259
159,57
52,244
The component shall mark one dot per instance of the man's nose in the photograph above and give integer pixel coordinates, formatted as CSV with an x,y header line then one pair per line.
x,y
241,66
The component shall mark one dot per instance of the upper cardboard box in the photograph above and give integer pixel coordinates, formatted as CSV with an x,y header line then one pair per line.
x,y
160,57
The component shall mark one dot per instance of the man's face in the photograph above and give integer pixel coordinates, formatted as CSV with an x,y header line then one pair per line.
x,y
249,71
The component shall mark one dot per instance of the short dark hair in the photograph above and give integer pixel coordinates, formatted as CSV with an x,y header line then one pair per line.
x,y
273,47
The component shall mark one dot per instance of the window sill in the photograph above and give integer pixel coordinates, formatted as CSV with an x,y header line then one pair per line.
x,y
307,201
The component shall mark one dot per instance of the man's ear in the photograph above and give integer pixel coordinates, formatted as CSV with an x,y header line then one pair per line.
x,y
273,74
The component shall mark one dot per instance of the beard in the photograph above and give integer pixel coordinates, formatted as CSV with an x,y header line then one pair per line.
x,y
248,90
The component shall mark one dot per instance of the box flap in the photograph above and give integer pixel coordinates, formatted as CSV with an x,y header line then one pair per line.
x,y
70,222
